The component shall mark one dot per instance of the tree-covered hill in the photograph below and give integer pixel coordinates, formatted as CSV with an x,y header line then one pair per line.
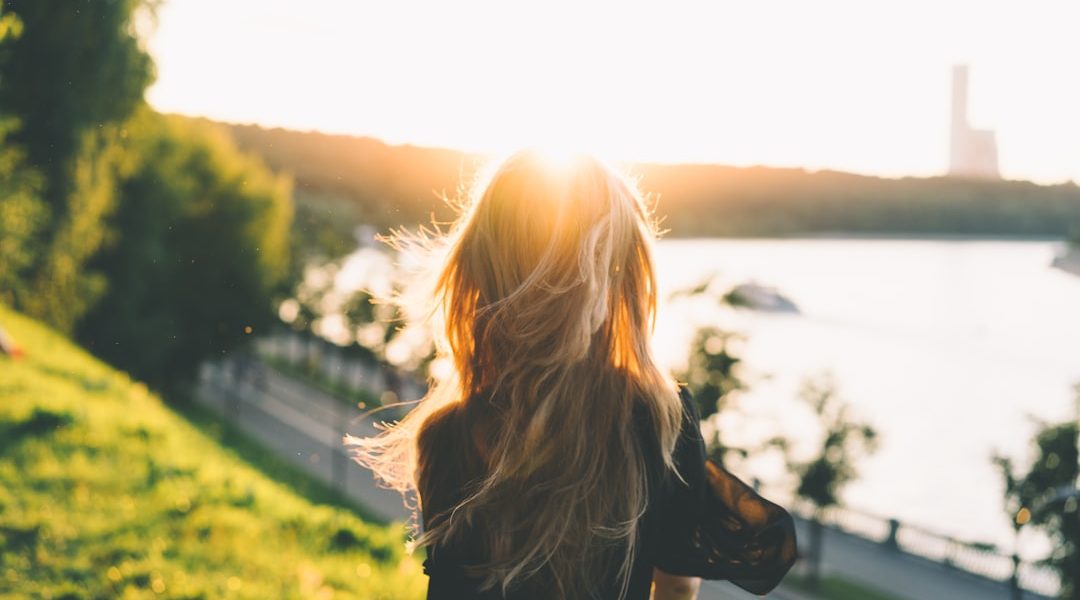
x,y
395,185
105,492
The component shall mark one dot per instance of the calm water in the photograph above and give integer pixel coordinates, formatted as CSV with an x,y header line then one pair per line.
x,y
947,347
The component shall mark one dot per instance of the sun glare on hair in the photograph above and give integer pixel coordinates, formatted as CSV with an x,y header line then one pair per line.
x,y
559,158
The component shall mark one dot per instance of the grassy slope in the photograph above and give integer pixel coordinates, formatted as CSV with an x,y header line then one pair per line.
x,y
105,492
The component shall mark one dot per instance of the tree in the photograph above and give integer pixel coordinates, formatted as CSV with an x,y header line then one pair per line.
x,y
374,323
1046,497
712,376
21,218
71,78
368,319
712,366
198,247
843,441
22,213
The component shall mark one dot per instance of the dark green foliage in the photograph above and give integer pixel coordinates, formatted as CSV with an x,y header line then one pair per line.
x,y
713,200
712,367
322,230
22,217
22,213
843,442
10,28
42,421
38,423
200,246
363,311
76,67
71,78
155,240
1047,497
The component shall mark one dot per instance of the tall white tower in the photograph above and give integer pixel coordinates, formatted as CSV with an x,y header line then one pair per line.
x,y
972,152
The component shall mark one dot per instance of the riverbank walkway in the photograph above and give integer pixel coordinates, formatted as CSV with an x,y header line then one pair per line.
x,y
306,425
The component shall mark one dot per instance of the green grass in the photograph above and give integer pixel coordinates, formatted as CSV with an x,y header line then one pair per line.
x,y
831,587
105,492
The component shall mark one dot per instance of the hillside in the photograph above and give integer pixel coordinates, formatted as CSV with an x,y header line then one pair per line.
x,y
400,185
107,492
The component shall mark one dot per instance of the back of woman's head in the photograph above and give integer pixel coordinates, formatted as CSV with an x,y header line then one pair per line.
x,y
544,301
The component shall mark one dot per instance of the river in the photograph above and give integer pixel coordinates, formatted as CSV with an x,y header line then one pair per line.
x,y
948,347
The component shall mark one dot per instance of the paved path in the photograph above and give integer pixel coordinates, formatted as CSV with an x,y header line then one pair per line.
x,y
306,425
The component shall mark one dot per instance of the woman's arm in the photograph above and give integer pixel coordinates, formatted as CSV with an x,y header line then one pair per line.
x,y
717,527
674,587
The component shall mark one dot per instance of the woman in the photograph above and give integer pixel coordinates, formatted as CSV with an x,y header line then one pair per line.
x,y
557,460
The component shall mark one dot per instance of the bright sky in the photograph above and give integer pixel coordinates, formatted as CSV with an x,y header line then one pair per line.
x,y
855,85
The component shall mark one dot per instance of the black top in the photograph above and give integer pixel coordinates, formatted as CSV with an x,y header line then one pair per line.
x,y
714,526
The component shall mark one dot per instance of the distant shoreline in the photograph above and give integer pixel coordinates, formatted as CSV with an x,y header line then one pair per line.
x,y
839,235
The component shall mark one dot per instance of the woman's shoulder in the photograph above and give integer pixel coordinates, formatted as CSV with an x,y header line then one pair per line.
x,y
436,441
448,457
688,442
464,427
436,429
690,419
689,405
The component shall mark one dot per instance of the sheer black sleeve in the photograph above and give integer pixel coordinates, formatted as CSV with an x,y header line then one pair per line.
x,y
715,526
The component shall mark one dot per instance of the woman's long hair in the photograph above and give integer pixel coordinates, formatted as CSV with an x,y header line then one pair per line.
x,y
544,302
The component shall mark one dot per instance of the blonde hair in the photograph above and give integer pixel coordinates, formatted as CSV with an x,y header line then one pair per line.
x,y
544,301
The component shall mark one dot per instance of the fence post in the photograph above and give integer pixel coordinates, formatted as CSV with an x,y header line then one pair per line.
x,y
356,376
890,542
1017,593
293,357
339,369
232,398
816,545
337,453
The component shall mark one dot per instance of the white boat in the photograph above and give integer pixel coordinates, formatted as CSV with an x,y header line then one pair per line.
x,y
760,297
1068,260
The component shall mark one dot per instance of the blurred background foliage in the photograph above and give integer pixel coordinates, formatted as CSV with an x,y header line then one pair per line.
x,y
1047,497
198,246
712,376
154,241
70,78
160,241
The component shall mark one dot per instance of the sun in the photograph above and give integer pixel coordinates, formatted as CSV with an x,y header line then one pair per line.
x,y
560,157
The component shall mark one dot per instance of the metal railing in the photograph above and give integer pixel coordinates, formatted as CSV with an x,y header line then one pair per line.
x,y
285,415
349,372
984,560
